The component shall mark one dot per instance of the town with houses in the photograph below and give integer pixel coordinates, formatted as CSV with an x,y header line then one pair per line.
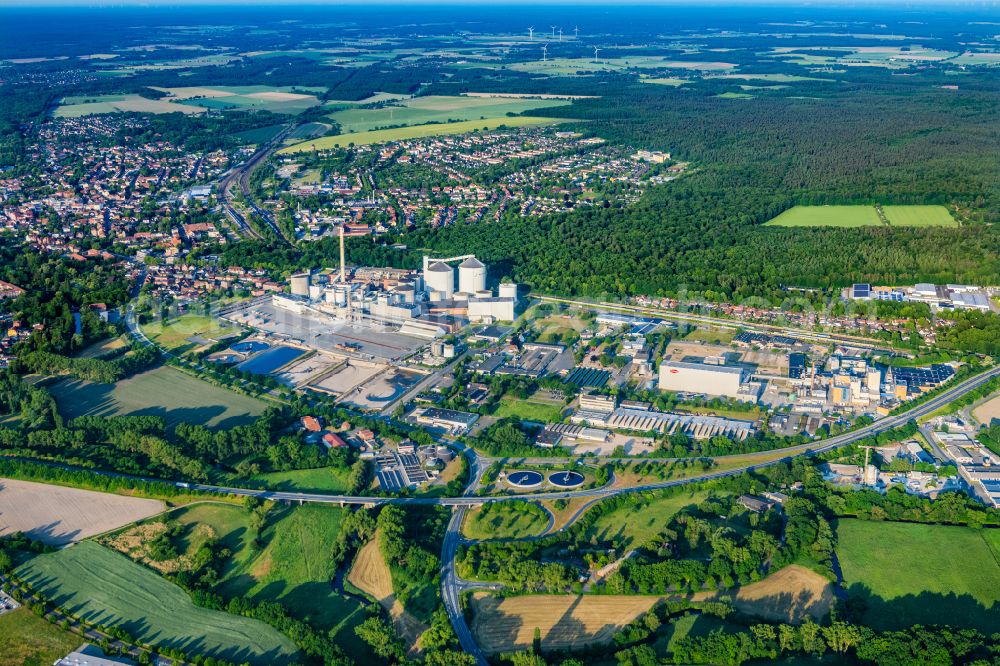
x,y
444,336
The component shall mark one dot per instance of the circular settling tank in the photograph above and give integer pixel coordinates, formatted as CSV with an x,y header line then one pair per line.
x,y
524,479
249,347
566,479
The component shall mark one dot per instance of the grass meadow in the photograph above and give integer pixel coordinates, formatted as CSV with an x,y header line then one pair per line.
x,y
294,567
187,332
922,574
163,391
637,524
529,410
827,216
505,520
104,587
319,480
28,640
919,216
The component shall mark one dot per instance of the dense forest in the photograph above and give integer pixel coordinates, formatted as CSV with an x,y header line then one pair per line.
x,y
893,145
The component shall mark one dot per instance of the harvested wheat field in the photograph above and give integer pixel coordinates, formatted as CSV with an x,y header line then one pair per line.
x,y
58,515
563,620
370,574
790,595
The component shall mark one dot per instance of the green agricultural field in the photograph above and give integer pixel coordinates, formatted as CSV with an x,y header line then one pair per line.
x,y
827,216
863,216
122,103
294,567
638,524
259,135
104,587
163,391
529,410
734,95
416,132
922,574
436,109
919,216
666,81
28,640
322,480
505,520
189,331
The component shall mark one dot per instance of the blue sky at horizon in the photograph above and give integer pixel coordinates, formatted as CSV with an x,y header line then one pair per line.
x,y
840,4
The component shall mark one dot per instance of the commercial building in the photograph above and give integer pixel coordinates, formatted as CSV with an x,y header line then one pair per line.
x,y
597,402
702,378
447,419
89,655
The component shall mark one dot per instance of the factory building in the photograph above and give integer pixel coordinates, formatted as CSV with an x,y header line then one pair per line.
x,y
471,276
711,380
491,309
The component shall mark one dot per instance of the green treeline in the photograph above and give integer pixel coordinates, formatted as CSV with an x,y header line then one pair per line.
x,y
90,369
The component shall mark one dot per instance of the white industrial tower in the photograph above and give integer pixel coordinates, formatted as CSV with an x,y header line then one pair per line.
x,y
471,276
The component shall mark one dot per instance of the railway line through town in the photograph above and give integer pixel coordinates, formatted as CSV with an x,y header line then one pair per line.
x,y
239,176
721,322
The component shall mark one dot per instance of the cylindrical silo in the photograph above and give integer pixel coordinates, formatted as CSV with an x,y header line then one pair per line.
x,y
508,290
471,276
300,284
440,277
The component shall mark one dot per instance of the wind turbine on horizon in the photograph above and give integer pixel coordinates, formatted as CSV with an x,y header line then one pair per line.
x,y
553,31
545,52
560,34
576,32
597,50
531,33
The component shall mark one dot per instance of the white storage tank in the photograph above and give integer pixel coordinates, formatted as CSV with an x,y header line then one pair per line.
x,y
315,292
508,290
440,277
471,276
